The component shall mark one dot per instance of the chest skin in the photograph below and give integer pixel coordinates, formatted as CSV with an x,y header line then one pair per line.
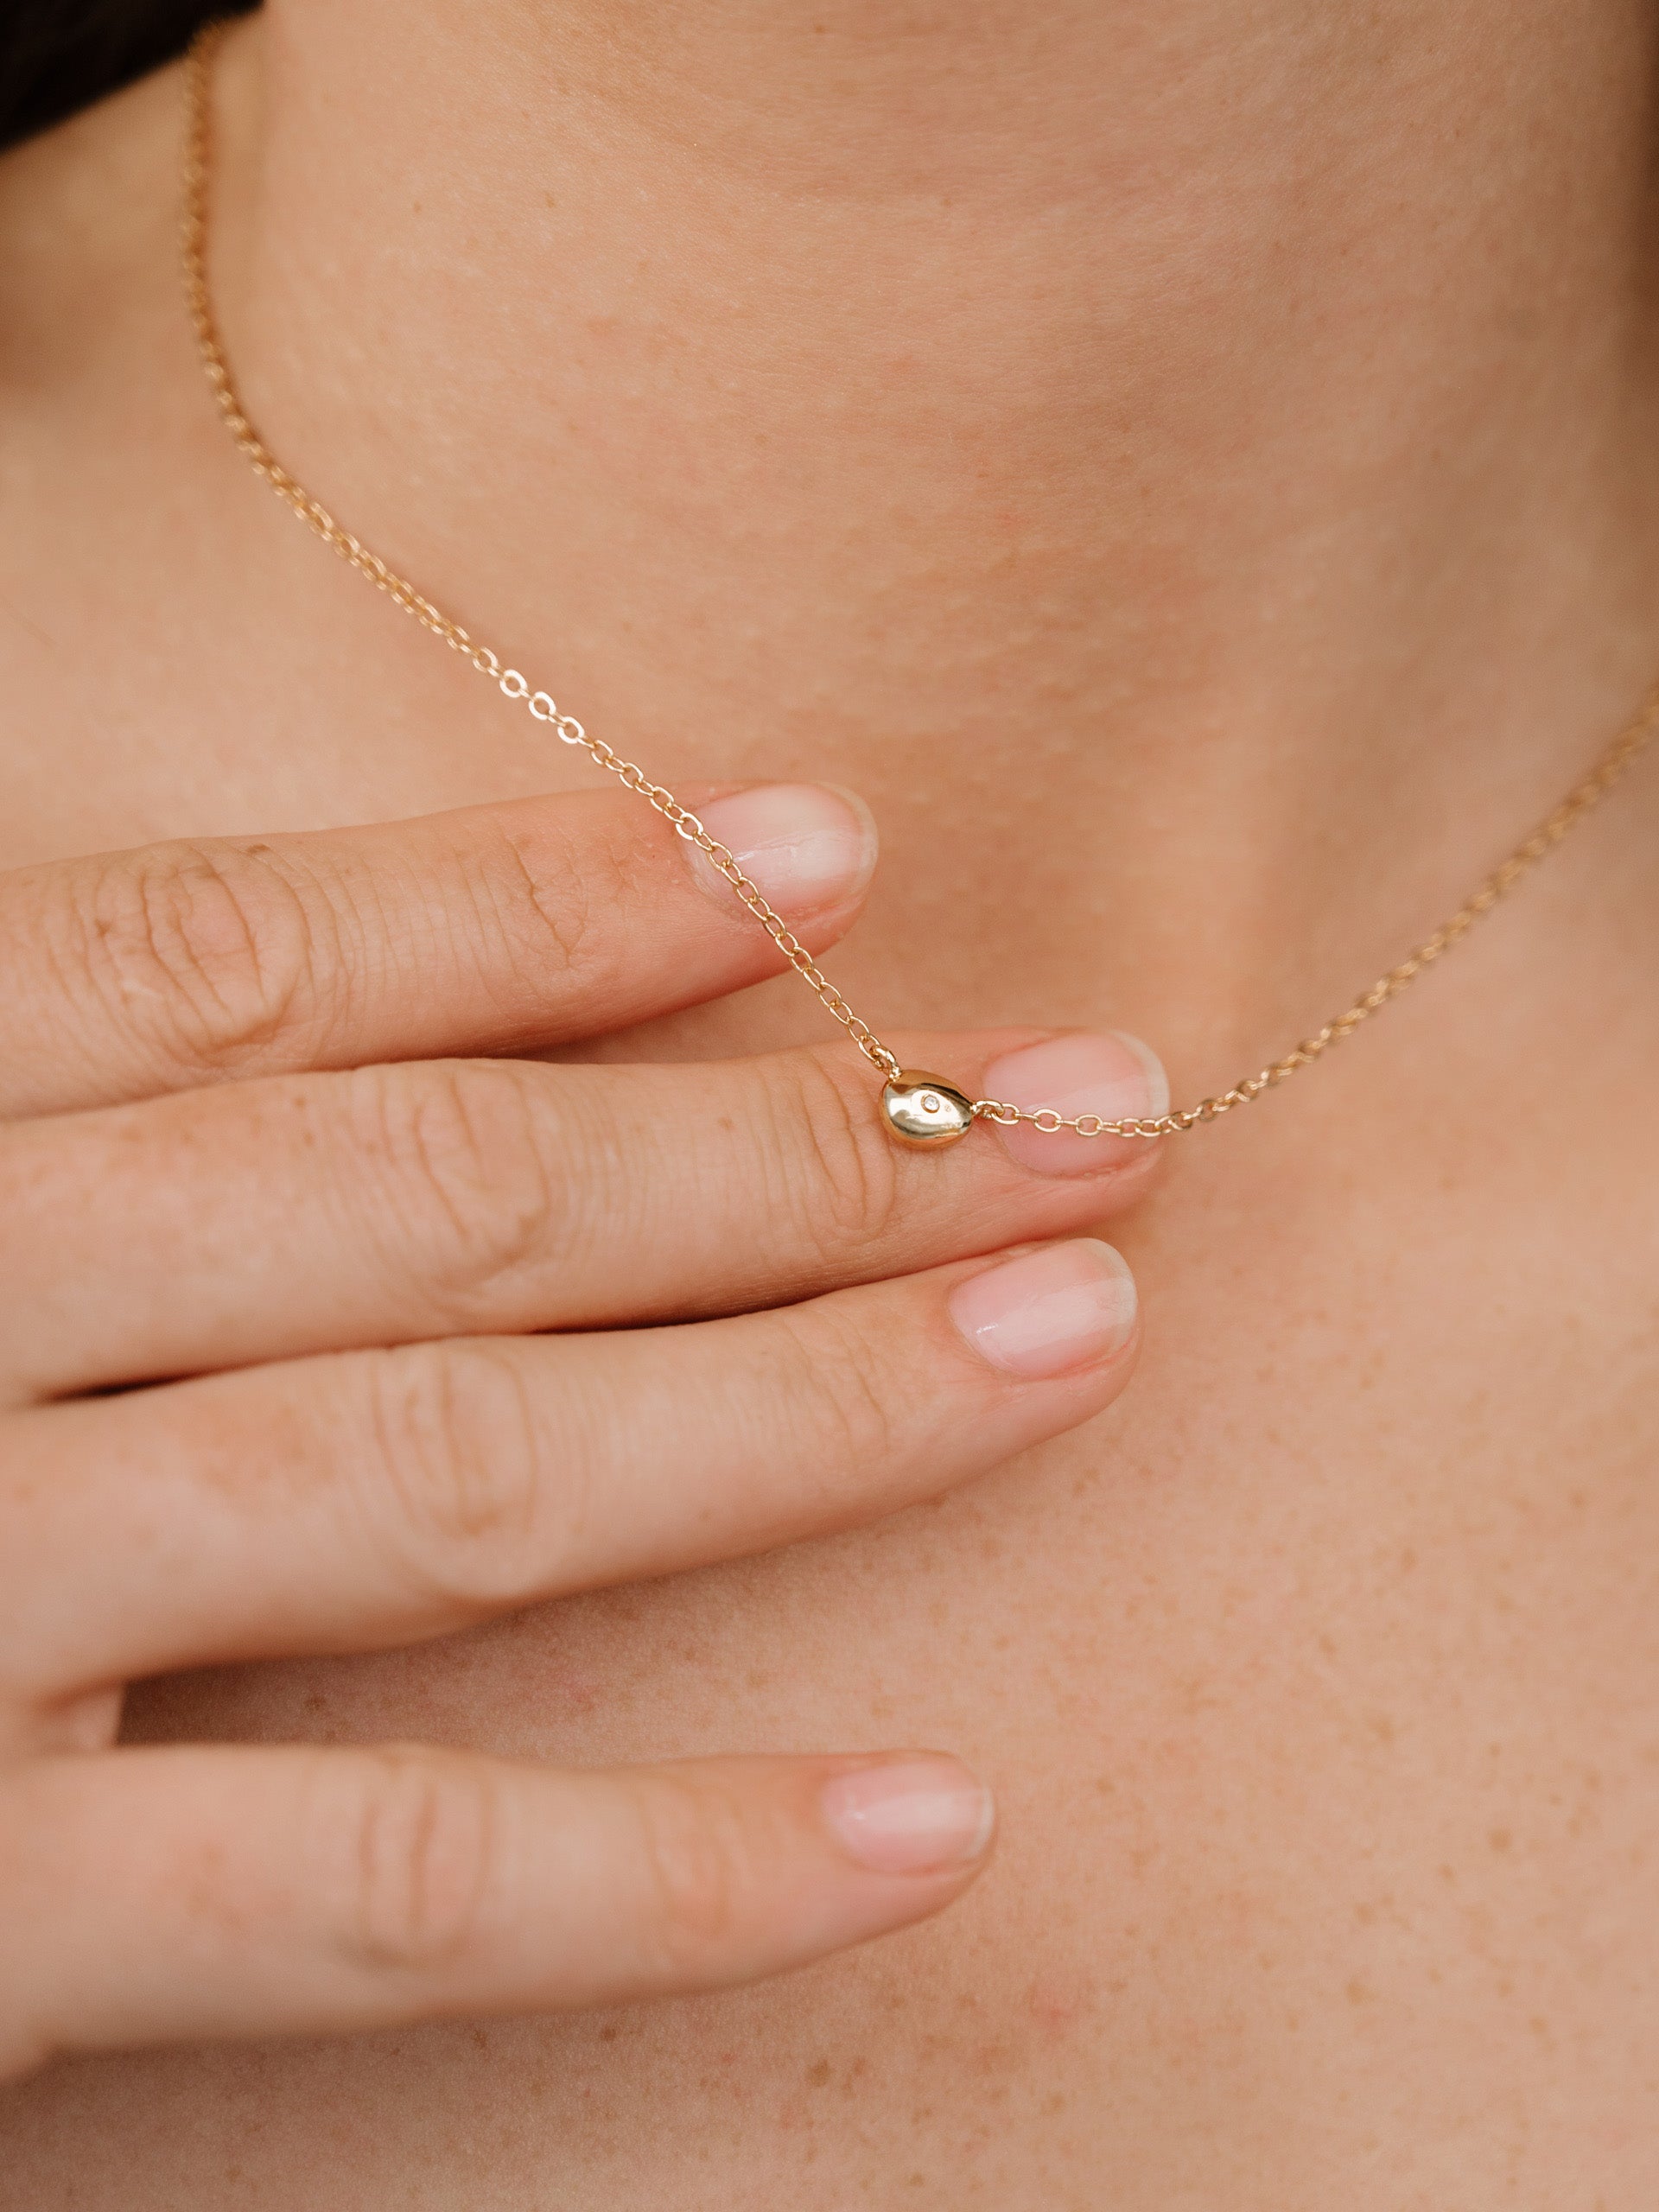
x,y
1318,1681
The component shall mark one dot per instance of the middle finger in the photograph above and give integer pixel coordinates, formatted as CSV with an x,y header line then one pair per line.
x,y
328,1212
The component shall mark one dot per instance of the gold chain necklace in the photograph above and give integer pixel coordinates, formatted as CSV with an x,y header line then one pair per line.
x,y
918,1108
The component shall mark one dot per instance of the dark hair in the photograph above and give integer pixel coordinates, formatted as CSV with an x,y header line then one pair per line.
x,y
59,55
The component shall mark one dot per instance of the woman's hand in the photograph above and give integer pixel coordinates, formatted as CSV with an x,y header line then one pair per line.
x,y
234,1153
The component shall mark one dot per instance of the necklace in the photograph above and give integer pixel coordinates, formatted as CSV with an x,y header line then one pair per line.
x,y
918,1108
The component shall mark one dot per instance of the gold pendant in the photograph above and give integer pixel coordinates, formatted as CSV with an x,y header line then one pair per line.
x,y
921,1109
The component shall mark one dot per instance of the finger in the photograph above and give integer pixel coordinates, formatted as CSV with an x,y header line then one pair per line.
x,y
490,1197
374,1497
158,1895
497,928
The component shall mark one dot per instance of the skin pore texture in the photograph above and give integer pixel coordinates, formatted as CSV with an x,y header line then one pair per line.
x,y
1191,469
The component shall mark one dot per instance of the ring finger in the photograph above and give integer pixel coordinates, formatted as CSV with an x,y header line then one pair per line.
x,y
368,1499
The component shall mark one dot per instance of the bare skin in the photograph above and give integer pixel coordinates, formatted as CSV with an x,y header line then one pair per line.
x,y
1196,483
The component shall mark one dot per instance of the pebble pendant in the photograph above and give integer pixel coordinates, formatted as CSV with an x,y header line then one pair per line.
x,y
921,1109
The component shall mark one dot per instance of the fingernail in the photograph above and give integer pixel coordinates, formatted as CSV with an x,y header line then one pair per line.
x,y
1112,1074
806,847
1049,1311
910,1816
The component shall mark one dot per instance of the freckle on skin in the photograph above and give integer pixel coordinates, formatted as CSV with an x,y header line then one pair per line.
x,y
1054,2002
819,2074
1500,1840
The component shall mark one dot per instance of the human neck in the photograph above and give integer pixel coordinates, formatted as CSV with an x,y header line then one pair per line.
x,y
1251,421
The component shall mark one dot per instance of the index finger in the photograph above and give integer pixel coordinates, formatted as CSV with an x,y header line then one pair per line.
x,y
494,929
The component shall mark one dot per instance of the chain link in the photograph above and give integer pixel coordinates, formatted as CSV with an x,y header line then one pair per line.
x,y
1585,794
